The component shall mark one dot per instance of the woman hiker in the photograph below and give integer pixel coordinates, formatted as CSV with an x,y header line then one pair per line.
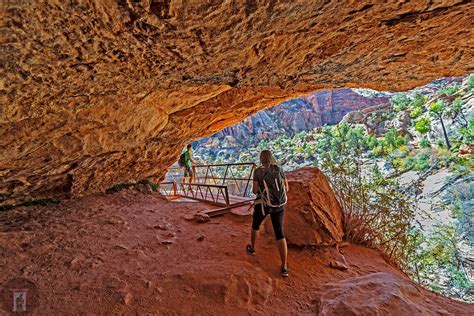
x,y
270,187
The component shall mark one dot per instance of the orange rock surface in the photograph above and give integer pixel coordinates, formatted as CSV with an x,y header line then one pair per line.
x,y
133,253
313,217
95,93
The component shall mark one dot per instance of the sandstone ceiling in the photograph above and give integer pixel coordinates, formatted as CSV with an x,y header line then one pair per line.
x,y
95,93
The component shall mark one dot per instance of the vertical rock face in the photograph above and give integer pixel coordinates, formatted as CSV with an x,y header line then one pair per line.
x,y
301,114
333,105
94,93
313,217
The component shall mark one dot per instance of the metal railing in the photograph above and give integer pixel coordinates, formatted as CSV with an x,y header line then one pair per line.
x,y
236,176
168,188
216,194
216,183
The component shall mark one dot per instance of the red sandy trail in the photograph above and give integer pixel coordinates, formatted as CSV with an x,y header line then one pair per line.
x,y
136,254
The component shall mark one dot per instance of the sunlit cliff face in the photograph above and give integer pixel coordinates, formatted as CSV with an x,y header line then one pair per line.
x,y
100,92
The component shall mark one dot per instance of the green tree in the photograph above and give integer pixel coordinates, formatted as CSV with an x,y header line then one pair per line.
x,y
468,132
371,142
390,139
437,108
456,112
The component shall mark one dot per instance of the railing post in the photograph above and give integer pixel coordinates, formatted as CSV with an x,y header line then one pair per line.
x,y
225,174
248,181
205,177
227,196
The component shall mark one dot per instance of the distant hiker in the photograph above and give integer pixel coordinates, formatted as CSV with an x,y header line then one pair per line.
x,y
186,162
270,187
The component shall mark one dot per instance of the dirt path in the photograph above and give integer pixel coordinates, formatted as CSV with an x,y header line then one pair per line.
x,y
131,253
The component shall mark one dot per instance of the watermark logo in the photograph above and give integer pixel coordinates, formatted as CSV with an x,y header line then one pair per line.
x,y
19,296
19,301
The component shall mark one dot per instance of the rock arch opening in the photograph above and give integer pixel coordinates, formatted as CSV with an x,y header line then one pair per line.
x,y
89,90
100,93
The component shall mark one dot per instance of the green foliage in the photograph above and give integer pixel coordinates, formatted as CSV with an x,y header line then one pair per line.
x,y
423,125
376,213
425,143
418,101
416,112
450,89
470,83
372,142
422,161
400,102
437,107
153,186
403,140
433,261
468,132
456,106
390,139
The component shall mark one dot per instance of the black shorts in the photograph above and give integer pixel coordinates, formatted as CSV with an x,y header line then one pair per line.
x,y
276,214
188,172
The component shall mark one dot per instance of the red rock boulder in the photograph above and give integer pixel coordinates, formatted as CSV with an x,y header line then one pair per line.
x,y
380,293
313,216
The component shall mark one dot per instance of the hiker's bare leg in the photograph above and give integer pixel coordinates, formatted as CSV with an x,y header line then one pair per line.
x,y
283,250
253,237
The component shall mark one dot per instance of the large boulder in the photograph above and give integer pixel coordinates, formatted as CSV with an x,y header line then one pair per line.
x,y
313,216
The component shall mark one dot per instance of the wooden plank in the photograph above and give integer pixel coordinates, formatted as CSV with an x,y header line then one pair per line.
x,y
224,210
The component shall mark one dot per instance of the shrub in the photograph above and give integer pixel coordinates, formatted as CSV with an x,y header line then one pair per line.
x,y
433,260
376,213
416,112
423,125
403,140
450,89
470,83
422,161
425,143
371,142
400,102
418,101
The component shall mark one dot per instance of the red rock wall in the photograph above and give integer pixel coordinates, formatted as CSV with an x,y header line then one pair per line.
x,y
313,217
95,93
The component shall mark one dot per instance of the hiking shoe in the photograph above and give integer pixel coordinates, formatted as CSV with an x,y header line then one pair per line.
x,y
250,250
284,272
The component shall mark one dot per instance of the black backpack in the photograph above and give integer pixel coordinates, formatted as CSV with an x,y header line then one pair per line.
x,y
182,160
274,192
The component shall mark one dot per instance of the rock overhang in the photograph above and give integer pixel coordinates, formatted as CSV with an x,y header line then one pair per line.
x,y
103,92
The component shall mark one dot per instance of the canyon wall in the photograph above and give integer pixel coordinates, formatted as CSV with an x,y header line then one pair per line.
x,y
95,93
293,116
